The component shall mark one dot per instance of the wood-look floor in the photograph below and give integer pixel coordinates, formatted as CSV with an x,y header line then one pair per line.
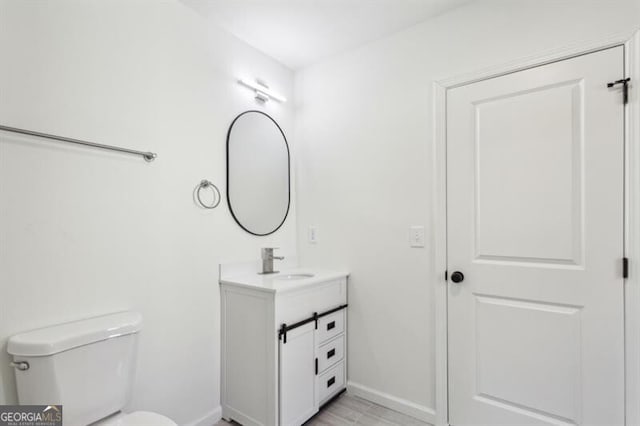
x,y
348,410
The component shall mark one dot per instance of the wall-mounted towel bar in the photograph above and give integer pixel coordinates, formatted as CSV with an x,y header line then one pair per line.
x,y
148,156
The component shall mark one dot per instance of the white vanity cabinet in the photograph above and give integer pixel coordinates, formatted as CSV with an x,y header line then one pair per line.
x,y
283,347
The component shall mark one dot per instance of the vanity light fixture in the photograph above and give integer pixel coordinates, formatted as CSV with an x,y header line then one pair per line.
x,y
263,93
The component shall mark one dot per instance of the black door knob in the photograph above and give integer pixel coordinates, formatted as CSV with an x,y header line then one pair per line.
x,y
457,277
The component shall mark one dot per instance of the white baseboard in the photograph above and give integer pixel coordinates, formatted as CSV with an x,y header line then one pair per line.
x,y
426,414
209,419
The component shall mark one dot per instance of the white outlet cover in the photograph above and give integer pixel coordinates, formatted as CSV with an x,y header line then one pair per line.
x,y
313,234
416,236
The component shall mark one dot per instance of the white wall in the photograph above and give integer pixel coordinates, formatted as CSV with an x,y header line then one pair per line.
x,y
85,232
364,134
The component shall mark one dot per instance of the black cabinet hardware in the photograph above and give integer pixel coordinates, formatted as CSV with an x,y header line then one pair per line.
x,y
282,334
331,353
331,381
284,328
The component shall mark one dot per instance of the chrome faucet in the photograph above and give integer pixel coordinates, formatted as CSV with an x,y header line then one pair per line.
x,y
267,260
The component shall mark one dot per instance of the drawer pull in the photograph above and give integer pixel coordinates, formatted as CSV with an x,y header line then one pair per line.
x,y
331,381
331,353
331,325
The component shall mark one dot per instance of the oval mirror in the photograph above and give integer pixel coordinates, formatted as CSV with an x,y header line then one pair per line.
x,y
258,187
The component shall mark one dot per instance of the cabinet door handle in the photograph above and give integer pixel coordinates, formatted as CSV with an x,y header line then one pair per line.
x,y
331,353
316,366
331,325
331,381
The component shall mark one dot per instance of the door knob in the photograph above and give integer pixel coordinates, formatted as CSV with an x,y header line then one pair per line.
x,y
457,277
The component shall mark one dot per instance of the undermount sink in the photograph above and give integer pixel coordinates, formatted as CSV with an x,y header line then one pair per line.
x,y
292,277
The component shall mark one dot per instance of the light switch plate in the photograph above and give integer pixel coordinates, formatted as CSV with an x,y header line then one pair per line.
x,y
313,234
416,236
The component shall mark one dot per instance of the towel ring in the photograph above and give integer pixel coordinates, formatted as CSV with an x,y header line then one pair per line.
x,y
216,194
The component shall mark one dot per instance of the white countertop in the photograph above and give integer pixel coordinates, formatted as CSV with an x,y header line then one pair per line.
x,y
271,283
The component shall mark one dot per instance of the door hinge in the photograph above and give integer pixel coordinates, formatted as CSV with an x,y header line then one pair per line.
x,y
625,267
625,88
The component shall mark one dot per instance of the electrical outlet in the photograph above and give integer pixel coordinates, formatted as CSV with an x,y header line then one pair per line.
x,y
416,236
313,234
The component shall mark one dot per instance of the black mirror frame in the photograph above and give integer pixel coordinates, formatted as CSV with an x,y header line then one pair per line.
x,y
286,144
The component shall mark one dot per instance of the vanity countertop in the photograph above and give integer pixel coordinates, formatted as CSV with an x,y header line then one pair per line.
x,y
274,283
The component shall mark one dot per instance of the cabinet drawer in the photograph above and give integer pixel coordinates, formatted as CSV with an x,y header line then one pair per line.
x,y
330,382
330,326
330,353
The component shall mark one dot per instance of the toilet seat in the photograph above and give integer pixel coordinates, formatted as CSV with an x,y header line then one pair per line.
x,y
137,418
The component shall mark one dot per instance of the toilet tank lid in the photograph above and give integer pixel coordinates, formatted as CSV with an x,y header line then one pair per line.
x,y
59,338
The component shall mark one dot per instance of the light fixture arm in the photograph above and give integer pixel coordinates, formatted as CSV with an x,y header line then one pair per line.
x,y
262,92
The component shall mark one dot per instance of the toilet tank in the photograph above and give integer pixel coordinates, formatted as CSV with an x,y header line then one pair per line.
x,y
86,366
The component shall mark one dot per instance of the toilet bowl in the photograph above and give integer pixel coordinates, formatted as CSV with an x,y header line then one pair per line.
x,y
86,366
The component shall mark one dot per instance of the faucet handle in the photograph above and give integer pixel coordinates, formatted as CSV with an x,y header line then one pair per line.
x,y
276,257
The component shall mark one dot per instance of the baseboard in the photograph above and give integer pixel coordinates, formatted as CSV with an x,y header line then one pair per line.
x,y
403,406
209,419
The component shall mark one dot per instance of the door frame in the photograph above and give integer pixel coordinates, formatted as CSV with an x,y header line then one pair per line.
x,y
631,43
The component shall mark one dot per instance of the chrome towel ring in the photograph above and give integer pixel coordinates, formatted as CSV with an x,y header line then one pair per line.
x,y
216,194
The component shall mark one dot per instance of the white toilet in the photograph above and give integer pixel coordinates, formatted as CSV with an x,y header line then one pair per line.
x,y
86,366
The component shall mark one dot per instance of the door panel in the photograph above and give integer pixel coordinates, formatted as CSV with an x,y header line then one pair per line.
x,y
541,199
297,376
510,356
535,223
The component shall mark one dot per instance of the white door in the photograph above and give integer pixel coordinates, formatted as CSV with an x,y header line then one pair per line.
x,y
298,401
535,224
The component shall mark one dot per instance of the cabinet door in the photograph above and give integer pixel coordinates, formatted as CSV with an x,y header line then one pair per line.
x,y
297,376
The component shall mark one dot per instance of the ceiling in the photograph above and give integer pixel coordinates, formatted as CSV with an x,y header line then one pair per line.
x,y
299,33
